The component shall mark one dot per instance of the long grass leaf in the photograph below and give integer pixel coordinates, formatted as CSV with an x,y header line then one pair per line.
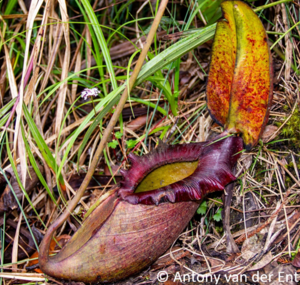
x,y
45,151
175,51
10,6
7,107
101,40
4,119
36,168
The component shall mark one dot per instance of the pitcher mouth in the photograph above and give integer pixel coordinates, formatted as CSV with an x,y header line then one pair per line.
x,y
206,168
166,175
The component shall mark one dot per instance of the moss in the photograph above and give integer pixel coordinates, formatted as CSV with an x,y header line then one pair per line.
x,y
291,129
288,181
219,229
285,107
260,172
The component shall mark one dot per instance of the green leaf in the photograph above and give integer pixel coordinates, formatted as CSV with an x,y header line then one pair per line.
x,y
202,208
218,202
217,216
211,10
118,135
131,143
113,144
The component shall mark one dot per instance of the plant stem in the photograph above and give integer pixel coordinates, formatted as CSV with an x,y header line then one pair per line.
x,y
270,5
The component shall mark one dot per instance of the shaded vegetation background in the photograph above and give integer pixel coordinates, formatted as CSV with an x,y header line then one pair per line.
x,y
51,51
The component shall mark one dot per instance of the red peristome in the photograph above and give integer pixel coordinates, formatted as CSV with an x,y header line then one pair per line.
x,y
216,160
164,154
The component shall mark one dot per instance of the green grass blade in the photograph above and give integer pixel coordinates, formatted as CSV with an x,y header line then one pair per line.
x,y
4,119
36,168
45,151
95,124
7,107
149,104
101,40
10,6
175,51
160,82
97,55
